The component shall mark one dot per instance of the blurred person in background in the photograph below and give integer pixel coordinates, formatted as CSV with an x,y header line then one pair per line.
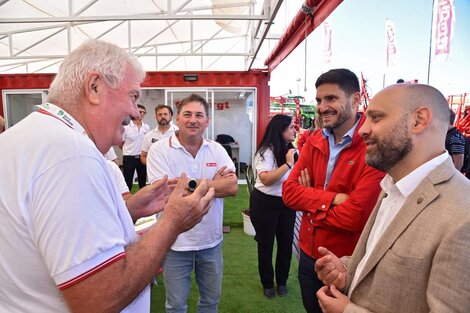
x,y
131,146
164,129
271,218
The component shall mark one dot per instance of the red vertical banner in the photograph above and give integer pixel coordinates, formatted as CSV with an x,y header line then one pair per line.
x,y
327,47
392,53
443,28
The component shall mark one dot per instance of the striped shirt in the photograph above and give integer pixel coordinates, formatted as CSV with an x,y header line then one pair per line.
x,y
455,142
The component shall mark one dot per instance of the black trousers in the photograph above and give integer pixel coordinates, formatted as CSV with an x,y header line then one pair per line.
x,y
309,283
131,163
272,219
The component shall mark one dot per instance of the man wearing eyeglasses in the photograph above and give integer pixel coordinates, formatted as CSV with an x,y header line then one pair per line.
x,y
67,238
131,147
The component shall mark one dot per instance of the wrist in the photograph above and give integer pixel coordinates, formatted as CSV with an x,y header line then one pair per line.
x,y
288,165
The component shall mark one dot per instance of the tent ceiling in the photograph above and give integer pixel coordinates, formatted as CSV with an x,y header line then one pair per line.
x,y
173,35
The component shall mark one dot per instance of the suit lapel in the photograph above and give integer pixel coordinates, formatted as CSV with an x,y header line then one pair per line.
x,y
416,202
360,249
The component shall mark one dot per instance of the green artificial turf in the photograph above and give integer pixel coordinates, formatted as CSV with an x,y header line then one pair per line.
x,y
241,289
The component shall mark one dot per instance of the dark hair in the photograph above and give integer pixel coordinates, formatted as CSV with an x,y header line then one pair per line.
x,y
400,81
140,106
344,78
452,117
274,140
193,98
162,106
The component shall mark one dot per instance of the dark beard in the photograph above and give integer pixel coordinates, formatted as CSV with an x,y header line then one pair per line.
x,y
343,114
391,150
163,122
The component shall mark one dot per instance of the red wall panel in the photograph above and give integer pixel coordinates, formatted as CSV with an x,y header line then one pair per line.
x,y
257,79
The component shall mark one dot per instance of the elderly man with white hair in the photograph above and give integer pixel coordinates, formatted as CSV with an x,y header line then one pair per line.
x,y
67,238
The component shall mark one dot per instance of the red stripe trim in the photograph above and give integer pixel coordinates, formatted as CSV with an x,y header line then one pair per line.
x,y
42,111
92,271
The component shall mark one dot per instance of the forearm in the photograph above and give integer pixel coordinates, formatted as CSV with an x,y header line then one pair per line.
x,y
143,157
269,178
458,161
226,187
132,204
115,287
308,199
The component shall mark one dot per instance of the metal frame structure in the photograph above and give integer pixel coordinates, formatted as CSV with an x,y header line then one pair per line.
x,y
26,27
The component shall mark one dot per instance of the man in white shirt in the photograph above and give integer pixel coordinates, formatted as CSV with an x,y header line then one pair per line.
x,y
200,248
413,253
67,238
111,156
164,129
131,146
119,179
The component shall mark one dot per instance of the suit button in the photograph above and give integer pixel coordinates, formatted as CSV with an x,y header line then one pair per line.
x,y
323,206
420,200
308,214
311,222
308,229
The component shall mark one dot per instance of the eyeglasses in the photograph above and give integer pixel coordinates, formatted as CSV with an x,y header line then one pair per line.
x,y
142,112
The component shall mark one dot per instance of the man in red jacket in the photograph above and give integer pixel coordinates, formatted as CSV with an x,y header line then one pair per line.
x,y
331,182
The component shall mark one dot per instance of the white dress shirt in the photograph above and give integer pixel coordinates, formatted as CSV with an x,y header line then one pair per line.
x,y
396,195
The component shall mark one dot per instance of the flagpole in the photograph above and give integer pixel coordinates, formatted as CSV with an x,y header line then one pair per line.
x,y
430,41
386,54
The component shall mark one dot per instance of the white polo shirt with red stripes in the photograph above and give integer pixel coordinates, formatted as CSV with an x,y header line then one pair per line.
x,y
62,218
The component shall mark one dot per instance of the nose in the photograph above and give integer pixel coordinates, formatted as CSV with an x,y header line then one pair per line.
x,y
135,111
364,130
192,119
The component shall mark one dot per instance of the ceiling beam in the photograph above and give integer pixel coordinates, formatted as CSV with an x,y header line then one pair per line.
x,y
145,17
266,30
160,54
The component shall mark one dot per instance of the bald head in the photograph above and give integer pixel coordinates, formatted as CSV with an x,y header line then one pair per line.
x,y
410,97
405,127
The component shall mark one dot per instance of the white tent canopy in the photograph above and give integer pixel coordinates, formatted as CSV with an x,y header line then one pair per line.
x,y
166,35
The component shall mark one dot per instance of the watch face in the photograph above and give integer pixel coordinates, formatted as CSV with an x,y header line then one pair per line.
x,y
192,184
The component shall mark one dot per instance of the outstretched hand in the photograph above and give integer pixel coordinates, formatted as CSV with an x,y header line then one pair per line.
x,y
149,200
186,210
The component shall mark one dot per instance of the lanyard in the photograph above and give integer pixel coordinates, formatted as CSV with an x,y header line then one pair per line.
x,y
60,114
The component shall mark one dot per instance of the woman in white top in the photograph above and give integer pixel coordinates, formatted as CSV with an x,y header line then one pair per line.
x,y
271,218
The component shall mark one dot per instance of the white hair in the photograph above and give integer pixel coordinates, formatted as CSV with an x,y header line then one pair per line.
x,y
92,56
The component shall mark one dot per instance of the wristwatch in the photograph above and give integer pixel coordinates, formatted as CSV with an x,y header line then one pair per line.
x,y
192,184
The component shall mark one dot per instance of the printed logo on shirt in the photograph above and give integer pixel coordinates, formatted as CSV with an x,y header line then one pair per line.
x,y
154,140
211,164
67,118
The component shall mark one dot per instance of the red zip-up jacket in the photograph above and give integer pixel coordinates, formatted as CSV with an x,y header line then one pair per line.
x,y
335,227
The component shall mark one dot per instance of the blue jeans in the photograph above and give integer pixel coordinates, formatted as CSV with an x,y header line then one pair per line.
x,y
177,269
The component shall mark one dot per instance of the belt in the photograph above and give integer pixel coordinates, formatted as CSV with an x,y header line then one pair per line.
x,y
132,156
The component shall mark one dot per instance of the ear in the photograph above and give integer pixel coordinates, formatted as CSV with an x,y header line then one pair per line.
x,y
355,99
421,119
92,88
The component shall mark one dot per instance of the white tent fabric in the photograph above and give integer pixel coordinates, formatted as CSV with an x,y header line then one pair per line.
x,y
166,35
